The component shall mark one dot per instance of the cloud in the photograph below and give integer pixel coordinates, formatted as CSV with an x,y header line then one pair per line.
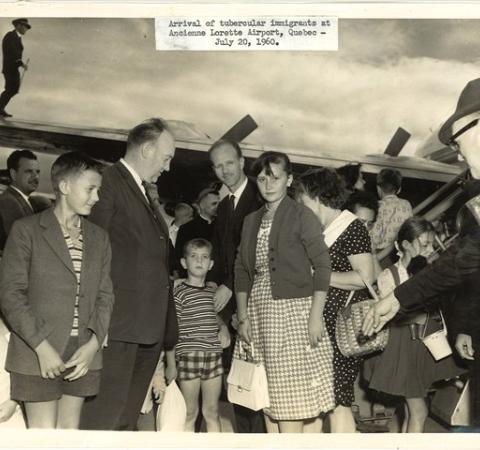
x,y
387,73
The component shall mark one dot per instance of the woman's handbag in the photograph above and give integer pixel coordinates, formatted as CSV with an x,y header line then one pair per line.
x,y
247,383
348,330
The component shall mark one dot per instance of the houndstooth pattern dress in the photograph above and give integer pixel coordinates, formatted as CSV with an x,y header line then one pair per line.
x,y
300,378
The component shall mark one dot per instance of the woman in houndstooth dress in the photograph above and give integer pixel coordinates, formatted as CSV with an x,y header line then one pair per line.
x,y
323,191
287,332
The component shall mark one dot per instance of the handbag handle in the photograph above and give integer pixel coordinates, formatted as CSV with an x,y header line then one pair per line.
x,y
443,323
367,285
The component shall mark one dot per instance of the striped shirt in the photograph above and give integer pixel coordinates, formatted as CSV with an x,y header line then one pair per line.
x,y
76,253
197,320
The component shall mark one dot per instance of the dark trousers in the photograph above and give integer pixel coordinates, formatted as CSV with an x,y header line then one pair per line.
x,y
127,371
12,86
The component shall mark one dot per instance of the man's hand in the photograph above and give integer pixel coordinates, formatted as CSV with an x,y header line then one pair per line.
x,y
222,295
158,387
464,346
51,364
25,66
82,359
380,314
7,409
316,330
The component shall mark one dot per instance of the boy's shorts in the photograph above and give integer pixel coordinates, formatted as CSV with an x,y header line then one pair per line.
x,y
203,365
34,388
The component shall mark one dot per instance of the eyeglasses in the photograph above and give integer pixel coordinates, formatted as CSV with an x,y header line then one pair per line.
x,y
452,143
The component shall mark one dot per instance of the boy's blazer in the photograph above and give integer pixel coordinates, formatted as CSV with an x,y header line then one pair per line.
x,y
38,287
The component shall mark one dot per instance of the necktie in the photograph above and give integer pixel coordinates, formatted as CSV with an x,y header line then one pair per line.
x,y
231,205
149,199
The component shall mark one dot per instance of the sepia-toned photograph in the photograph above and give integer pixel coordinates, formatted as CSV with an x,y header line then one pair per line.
x,y
256,220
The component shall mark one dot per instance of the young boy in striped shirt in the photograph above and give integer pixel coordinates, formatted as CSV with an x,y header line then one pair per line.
x,y
197,357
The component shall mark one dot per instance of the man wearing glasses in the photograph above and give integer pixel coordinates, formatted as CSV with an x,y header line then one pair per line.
x,y
460,264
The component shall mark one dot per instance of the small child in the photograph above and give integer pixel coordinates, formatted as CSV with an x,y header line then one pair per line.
x,y
56,294
392,212
202,334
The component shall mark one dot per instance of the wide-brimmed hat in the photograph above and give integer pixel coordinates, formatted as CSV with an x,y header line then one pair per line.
x,y
21,22
468,103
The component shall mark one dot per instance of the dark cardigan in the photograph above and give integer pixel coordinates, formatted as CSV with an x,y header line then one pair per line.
x,y
296,246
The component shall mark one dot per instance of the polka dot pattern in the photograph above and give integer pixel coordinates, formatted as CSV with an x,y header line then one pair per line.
x,y
353,241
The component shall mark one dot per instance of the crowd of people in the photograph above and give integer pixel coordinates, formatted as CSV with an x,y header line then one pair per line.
x,y
108,301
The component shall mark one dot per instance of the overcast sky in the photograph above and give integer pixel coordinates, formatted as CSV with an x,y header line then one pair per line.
x,y
387,73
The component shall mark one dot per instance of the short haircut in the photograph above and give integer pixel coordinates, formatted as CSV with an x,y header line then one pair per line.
x,y
13,161
225,143
264,161
204,192
72,163
364,199
350,174
322,183
196,243
389,180
411,229
179,207
147,131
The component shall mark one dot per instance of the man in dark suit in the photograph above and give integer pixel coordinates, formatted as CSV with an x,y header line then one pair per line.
x,y
228,163
144,318
12,48
459,266
16,202
201,226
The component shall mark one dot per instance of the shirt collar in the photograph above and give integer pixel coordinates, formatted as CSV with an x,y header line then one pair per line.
x,y
18,34
238,193
27,199
205,219
134,174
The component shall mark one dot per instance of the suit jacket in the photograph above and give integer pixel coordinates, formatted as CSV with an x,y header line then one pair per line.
x,y
144,311
12,48
38,287
226,238
12,207
296,245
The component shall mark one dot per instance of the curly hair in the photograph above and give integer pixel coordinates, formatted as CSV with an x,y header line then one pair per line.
x,y
350,174
364,199
322,183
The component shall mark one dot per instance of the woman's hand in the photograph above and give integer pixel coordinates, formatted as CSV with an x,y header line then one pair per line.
x,y
51,364
316,330
245,330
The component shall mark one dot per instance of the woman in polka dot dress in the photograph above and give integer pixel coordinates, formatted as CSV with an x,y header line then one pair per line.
x,y
280,301
351,260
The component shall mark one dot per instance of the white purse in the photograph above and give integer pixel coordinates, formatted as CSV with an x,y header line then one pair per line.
x,y
247,383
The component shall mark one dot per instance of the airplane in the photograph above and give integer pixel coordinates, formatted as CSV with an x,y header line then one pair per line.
x,y
191,170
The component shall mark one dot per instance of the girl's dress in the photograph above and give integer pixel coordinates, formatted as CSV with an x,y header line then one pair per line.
x,y
405,368
300,378
353,240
